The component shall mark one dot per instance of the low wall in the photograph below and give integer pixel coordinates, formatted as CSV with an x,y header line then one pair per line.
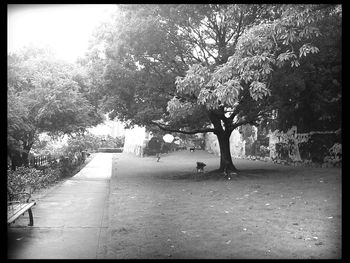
x,y
320,150
135,140
211,143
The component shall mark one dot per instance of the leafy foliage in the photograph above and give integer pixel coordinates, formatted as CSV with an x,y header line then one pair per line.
x,y
154,146
283,149
310,97
23,177
76,144
264,151
335,154
318,146
43,97
90,142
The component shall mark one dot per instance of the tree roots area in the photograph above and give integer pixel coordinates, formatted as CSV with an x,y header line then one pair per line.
x,y
166,209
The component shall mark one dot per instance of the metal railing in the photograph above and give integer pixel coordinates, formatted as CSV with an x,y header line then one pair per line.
x,y
39,160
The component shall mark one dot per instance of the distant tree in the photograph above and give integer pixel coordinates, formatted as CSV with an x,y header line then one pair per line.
x,y
203,68
42,97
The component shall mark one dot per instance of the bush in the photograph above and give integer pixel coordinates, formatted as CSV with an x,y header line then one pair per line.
x,y
264,151
37,179
166,147
153,146
317,147
70,160
78,143
199,143
335,154
336,150
23,177
110,150
305,151
68,164
282,150
92,143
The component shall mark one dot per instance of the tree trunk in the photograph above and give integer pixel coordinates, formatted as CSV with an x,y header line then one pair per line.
x,y
25,154
16,160
226,164
25,159
20,158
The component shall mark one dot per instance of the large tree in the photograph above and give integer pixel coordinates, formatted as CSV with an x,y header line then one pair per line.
x,y
43,97
202,68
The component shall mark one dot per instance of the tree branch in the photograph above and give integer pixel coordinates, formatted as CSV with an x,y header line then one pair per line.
x,y
203,44
195,42
238,29
250,119
239,106
208,29
164,128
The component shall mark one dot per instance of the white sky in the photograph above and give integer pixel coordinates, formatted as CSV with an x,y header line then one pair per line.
x,y
66,28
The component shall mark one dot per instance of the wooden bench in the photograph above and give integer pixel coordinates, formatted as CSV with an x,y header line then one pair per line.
x,y
18,204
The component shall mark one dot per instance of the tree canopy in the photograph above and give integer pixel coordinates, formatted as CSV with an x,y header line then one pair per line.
x,y
43,97
205,68
310,96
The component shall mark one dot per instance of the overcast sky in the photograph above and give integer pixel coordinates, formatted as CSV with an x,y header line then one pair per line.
x,y
66,28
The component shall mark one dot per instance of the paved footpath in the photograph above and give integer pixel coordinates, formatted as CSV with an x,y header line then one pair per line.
x,y
70,222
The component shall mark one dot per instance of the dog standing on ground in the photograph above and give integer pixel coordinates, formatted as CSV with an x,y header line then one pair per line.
x,y
200,167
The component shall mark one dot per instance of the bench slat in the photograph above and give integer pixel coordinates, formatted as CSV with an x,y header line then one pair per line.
x,y
18,212
11,209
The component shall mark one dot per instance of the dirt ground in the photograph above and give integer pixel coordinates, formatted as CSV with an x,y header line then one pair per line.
x,y
165,210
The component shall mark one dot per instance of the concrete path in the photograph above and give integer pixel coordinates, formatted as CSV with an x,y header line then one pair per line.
x,y
70,222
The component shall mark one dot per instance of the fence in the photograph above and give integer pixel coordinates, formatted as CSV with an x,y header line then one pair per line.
x,y
40,160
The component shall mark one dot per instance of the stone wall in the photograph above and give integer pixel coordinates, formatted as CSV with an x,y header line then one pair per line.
x,y
237,145
241,148
211,143
273,139
135,140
